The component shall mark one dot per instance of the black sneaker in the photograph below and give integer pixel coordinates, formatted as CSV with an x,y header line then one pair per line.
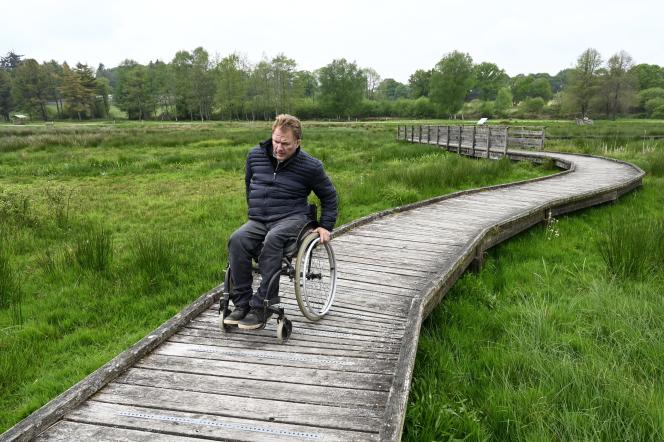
x,y
238,314
255,319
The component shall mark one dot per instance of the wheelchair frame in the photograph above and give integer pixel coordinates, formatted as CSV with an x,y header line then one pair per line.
x,y
305,243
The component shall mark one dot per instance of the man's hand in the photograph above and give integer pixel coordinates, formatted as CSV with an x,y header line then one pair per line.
x,y
324,235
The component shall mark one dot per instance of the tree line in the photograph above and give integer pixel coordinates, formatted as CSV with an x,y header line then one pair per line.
x,y
196,86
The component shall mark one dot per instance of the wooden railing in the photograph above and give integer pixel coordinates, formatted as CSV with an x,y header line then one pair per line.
x,y
471,138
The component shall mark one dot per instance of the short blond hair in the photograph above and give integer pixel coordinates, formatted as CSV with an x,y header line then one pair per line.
x,y
288,122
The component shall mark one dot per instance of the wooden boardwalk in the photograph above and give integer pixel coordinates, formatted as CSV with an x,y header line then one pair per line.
x,y
344,378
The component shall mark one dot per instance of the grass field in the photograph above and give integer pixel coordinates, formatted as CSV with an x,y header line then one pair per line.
x,y
109,230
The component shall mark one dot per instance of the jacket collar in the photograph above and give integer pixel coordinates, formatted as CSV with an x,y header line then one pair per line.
x,y
267,147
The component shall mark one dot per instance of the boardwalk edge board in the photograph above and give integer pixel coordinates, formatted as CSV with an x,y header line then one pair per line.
x,y
421,305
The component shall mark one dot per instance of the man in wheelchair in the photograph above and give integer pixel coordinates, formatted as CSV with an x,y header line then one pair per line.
x,y
279,177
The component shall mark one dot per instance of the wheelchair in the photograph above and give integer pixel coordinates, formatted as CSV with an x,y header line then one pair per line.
x,y
307,263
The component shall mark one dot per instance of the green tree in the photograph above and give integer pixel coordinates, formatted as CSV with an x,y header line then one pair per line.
x,y
5,94
451,82
161,90
55,76
532,106
560,80
30,87
373,80
648,98
10,61
504,102
489,79
520,86
648,76
79,90
584,80
183,87
102,91
419,83
232,82
283,83
202,82
540,87
132,92
390,89
342,86
618,84
260,92
306,84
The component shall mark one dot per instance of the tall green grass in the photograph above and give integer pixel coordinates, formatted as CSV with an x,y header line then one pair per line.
x,y
93,249
11,295
632,247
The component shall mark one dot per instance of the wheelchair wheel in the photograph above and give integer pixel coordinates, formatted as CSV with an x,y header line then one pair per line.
x,y
315,277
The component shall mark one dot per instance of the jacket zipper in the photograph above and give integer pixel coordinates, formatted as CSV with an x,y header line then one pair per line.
x,y
274,176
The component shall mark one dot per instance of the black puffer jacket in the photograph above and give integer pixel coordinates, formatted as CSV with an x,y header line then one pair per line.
x,y
276,190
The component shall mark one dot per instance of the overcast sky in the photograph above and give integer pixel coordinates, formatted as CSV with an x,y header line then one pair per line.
x,y
393,37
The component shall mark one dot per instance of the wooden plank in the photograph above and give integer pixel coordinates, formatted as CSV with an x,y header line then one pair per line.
x,y
78,431
276,358
306,330
228,384
278,373
178,425
296,343
331,323
343,418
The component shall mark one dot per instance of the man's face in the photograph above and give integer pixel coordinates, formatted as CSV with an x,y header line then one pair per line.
x,y
284,143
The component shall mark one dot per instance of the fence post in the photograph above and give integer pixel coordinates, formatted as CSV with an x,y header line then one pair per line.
x,y
505,147
507,137
447,142
412,133
473,148
460,136
543,136
420,135
488,142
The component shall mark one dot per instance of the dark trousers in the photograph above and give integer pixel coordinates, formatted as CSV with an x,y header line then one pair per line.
x,y
245,244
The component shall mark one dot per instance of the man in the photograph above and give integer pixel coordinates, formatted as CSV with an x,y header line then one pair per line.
x,y
279,178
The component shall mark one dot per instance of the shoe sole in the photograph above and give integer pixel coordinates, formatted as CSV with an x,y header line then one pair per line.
x,y
231,321
251,327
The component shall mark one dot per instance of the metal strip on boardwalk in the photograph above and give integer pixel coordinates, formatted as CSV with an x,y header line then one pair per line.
x,y
346,377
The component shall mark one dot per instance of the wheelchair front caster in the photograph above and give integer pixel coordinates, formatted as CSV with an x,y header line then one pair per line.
x,y
284,329
223,313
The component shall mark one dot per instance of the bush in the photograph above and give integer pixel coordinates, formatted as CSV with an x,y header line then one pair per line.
x,y
658,113
654,105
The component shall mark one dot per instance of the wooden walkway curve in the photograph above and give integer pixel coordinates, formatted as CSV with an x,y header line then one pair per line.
x,y
344,378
